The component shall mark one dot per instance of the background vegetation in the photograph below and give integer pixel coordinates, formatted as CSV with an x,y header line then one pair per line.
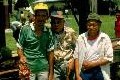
x,y
108,23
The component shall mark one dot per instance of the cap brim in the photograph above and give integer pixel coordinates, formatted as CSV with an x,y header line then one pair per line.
x,y
57,16
94,20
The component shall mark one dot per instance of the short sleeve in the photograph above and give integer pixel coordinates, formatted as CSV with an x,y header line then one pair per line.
x,y
108,50
50,44
79,50
22,37
75,55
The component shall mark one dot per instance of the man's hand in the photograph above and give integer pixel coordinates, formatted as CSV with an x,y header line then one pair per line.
x,y
89,64
51,65
50,77
23,59
78,78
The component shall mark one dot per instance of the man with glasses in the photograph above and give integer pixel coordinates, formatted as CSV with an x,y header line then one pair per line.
x,y
64,44
93,52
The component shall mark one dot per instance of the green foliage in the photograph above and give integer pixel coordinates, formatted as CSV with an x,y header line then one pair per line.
x,y
30,1
108,24
10,41
5,52
70,22
117,2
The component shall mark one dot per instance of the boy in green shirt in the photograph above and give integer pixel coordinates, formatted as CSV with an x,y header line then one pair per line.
x,y
35,45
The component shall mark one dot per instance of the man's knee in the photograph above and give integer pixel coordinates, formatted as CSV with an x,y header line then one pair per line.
x,y
43,76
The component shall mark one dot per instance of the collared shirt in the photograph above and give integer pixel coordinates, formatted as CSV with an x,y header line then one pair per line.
x,y
92,50
35,48
64,44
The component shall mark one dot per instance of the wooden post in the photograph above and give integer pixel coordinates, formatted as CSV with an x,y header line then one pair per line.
x,y
93,6
2,25
6,15
84,10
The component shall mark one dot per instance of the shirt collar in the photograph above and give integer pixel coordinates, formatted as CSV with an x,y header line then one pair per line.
x,y
101,35
32,27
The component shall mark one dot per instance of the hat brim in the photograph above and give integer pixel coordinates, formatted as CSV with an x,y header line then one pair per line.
x,y
94,20
57,16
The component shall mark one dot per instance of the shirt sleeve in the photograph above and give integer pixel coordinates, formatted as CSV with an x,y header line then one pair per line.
x,y
74,38
79,49
108,50
21,38
50,43
76,51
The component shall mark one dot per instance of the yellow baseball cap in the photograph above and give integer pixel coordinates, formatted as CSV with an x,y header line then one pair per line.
x,y
40,6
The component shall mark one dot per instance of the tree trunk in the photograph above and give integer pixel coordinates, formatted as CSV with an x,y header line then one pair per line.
x,y
2,25
93,6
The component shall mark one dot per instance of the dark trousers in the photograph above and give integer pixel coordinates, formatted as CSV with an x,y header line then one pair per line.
x,y
92,74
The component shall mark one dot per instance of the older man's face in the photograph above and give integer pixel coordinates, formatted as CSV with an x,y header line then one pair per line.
x,y
93,27
57,24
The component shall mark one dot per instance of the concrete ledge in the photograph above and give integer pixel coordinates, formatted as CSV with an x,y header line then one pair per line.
x,y
14,54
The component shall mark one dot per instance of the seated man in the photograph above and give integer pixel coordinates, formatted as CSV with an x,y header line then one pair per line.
x,y
93,52
64,44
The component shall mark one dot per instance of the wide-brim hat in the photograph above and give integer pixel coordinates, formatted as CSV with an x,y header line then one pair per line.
x,y
57,14
94,16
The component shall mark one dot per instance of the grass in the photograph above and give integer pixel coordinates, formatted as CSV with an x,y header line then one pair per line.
x,y
72,23
108,24
10,41
107,27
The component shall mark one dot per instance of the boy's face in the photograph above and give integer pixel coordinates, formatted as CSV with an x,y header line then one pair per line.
x,y
41,16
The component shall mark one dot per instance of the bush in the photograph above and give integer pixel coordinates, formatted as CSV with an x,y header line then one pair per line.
x,y
5,53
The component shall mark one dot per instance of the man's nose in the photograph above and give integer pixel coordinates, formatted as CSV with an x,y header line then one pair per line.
x,y
91,26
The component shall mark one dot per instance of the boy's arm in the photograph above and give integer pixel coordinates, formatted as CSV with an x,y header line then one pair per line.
x,y
51,65
77,72
21,55
76,68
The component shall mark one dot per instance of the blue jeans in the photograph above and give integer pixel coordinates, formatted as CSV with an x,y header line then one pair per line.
x,y
92,74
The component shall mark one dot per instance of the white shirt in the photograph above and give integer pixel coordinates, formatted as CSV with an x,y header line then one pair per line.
x,y
101,47
15,25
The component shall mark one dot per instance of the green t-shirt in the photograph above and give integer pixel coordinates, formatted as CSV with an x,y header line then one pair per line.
x,y
35,48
